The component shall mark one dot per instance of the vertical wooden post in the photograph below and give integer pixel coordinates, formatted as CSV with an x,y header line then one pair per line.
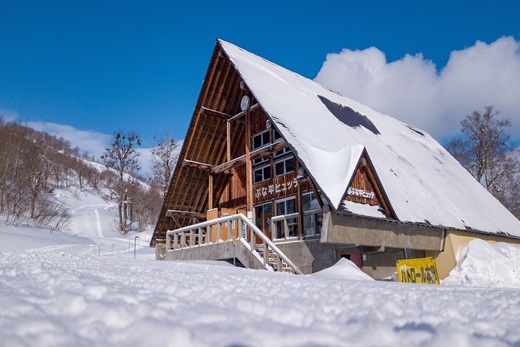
x,y
210,191
299,204
228,141
249,175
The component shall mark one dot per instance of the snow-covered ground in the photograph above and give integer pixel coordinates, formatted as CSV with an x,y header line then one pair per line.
x,y
83,287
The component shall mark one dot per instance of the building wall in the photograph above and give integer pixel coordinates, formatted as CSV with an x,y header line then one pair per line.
x,y
310,255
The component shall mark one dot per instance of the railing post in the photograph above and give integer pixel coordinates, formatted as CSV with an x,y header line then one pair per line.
x,y
286,228
200,241
266,254
183,239
229,230
274,228
176,241
279,263
192,238
240,227
168,242
253,240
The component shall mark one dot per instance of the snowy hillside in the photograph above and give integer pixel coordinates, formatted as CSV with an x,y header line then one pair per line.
x,y
83,287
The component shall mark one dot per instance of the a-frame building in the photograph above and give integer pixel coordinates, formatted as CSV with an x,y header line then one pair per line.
x,y
320,175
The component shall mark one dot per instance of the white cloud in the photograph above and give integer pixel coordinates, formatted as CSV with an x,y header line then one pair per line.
x,y
412,90
8,115
92,142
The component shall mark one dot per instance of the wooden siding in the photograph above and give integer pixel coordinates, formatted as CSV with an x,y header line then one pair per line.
x,y
205,143
364,188
234,195
275,188
361,190
258,121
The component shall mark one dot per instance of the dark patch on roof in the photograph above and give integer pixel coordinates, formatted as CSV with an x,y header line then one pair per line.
x,y
415,130
348,116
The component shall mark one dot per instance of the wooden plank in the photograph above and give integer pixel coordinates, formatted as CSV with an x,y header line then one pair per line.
x,y
197,165
174,213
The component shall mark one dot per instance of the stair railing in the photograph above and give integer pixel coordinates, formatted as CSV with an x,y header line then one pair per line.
x,y
228,229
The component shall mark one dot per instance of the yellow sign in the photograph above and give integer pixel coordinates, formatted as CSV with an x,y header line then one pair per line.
x,y
421,270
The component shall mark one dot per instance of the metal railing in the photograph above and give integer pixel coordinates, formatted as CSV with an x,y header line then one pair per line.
x,y
229,229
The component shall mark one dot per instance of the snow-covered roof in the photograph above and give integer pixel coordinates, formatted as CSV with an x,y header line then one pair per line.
x,y
328,132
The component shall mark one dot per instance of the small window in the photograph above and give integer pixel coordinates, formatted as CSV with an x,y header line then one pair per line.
x,y
261,139
276,135
281,152
283,167
262,174
260,160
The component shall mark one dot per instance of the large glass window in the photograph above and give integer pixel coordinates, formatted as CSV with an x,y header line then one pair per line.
x,y
312,214
286,207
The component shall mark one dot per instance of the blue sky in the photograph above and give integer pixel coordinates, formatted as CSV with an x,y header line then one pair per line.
x,y
95,67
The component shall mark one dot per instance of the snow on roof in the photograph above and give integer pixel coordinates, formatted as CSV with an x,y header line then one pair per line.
x,y
328,132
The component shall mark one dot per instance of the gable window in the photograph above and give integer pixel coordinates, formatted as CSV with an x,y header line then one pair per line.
x,y
281,152
284,166
276,135
262,174
261,139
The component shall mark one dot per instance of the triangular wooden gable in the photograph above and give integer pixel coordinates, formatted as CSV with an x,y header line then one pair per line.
x,y
364,187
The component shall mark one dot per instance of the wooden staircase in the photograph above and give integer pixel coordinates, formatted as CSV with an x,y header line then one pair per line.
x,y
228,237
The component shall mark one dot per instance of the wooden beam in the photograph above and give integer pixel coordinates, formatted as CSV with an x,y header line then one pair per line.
x,y
243,113
214,113
254,155
174,213
197,165
225,116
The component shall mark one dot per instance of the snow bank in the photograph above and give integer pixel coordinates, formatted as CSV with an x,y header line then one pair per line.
x,y
58,299
481,263
344,269
64,290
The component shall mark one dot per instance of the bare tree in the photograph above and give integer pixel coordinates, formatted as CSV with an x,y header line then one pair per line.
x,y
163,161
488,153
122,157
